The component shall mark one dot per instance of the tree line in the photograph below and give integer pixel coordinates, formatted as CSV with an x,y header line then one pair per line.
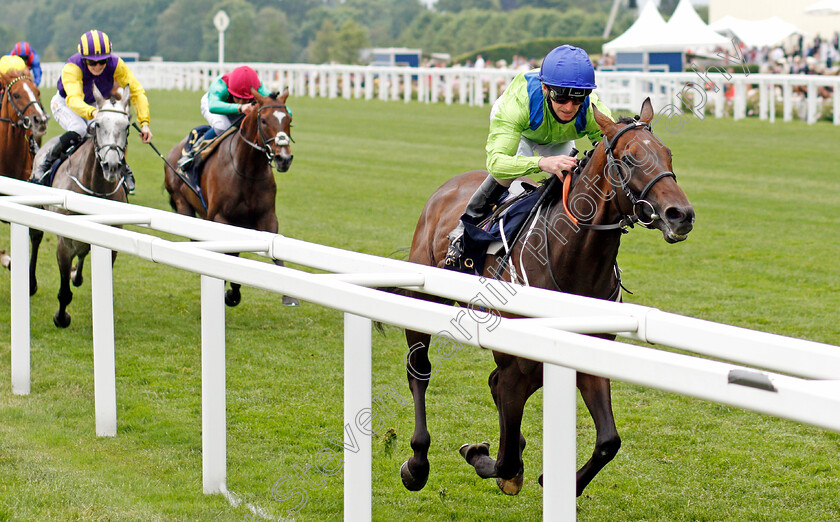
x,y
313,31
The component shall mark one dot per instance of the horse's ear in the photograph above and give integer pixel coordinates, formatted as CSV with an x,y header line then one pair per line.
x,y
257,96
98,96
646,114
604,121
125,95
282,98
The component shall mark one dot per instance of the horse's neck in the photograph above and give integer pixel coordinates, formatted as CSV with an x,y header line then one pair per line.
x,y
15,160
583,259
245,154
84,166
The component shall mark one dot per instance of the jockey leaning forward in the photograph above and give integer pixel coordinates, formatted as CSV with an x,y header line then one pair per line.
x,y
228,97
72,107
533,128
31,58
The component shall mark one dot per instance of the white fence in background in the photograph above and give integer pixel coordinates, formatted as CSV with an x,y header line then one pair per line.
x,y
798,379
798,96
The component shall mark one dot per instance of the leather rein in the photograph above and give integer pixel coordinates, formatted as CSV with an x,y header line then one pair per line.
x,y
627,220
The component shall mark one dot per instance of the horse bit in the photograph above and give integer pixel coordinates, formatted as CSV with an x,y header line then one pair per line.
x,y
281,140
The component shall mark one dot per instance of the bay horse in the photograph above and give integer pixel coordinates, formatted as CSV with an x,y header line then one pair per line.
x,y
627,178
237,179
22,122
95,168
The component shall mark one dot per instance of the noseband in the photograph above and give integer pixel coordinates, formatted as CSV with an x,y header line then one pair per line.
x,y
615,174
23,121
281,140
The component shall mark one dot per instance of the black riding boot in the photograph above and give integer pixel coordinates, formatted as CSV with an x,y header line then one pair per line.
x,y
128,179
480,203
42,168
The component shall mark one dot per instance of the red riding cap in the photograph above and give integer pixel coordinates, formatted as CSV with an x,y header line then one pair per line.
x,y
240,80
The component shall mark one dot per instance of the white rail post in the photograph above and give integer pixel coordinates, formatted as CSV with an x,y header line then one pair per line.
x,y
559,442
213,421
19,240
358,417
104,367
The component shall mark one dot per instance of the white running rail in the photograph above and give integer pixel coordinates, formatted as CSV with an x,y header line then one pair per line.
x,y
797,379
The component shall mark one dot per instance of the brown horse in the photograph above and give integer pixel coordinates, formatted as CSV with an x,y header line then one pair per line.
x,y
96,168
628,178
22,120
237,179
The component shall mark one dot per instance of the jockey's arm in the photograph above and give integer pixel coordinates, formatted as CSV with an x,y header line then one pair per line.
x,y
506,126
71,78
123,76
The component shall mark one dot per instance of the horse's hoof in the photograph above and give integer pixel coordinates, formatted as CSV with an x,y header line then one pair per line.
x,y
290,301
61,320
232,299
33,288
511,486
469,451
540,479
413,482
5,260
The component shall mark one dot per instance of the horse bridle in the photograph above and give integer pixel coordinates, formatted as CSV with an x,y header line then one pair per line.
x,y
23,120
97,148
281,140
97,152
618,181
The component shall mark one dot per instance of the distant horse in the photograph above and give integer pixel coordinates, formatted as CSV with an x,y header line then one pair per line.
x,y
628,178
237,179
22,119
96,168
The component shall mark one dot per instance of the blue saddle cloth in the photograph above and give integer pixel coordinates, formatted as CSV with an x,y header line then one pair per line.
x,y
195,136
477,239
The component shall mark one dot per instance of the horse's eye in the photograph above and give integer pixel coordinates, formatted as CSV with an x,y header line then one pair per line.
x,y
262,121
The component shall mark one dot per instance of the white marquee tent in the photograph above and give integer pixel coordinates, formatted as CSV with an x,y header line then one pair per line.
x,y
757,33
651,43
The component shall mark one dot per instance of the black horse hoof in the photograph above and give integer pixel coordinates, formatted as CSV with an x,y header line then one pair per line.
x,y
33,288
413,481
232,298
61,320
290,301
470,451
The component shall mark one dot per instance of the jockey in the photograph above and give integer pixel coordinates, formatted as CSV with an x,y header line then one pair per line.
x,y
11,63
30,57
72,107
533,128
228,96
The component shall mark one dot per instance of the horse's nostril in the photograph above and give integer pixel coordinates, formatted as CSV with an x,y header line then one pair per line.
x,y
673,214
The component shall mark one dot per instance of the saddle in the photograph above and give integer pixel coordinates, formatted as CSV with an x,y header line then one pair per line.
x,y
48,179
490,235
195,152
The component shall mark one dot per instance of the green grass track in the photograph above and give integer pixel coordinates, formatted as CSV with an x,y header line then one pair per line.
x,y
764,255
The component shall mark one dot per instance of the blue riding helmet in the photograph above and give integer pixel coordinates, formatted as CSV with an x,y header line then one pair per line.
x,y
568,66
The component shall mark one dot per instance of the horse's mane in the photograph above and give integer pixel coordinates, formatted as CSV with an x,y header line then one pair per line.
x,y
627,119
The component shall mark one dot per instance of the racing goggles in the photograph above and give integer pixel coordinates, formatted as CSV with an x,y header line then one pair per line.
x,y
563,95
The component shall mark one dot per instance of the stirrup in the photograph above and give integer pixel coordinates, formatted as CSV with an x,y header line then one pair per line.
x,y
454,253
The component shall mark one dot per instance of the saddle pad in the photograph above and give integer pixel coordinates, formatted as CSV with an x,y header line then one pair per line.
x,y
477,239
